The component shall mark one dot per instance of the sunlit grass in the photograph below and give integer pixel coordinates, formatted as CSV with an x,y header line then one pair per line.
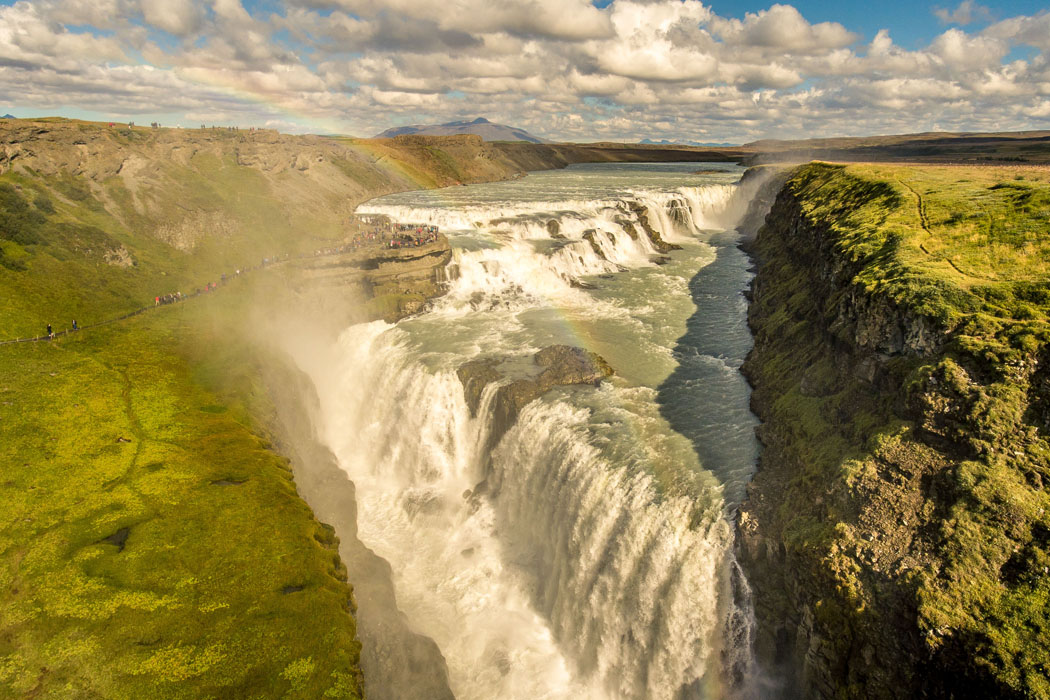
x,y
152,543
149,534
935,477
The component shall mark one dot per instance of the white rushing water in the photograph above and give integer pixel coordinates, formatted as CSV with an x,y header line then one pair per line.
x,y
595,562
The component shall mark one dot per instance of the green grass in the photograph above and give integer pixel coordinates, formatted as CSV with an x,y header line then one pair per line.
x,y
935,478
152,543
149,429
108,432
945,244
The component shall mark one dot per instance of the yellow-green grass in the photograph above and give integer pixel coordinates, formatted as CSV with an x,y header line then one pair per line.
x,y
933,480
962,245
969,226
984,224
225,585
152,429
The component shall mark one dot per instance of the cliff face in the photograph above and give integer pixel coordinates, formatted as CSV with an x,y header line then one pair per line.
x,y
896,532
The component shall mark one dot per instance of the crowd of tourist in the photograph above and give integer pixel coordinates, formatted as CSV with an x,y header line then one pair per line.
x,y
409,236
388,236
167,299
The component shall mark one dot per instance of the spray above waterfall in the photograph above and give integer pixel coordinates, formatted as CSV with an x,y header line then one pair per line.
x,y
587,554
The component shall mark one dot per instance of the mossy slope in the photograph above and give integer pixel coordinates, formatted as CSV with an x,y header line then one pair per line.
x,y
153,544
897,531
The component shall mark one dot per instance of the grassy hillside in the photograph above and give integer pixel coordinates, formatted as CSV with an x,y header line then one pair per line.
x,y
96,221
902,346
153,544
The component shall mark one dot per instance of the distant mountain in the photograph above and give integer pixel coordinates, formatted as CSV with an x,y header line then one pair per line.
x,y
9,116
487,130
650,142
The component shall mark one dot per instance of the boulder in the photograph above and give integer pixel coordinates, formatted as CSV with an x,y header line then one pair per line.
x,y
558,365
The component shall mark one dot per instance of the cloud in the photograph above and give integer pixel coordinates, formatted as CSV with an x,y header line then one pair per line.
x,y
1030,31
178,17
563,69
384,33
30,38
967,12
960,51
783,27
557,19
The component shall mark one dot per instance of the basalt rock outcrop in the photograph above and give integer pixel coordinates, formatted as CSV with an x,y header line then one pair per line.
x,y
555,365
640,212
393,282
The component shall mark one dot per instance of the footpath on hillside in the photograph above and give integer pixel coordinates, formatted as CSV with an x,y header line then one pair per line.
x,y
379,234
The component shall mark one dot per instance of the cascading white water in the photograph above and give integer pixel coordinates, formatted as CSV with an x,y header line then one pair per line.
x,y
405,436
595,561
627,575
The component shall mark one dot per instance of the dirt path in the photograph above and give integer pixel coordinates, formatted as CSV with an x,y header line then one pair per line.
x,y
924,221
275,262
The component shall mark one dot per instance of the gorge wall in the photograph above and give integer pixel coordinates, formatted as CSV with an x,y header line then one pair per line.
x,y
896,533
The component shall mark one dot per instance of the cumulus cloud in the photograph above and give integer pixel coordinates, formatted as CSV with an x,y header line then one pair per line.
x,y
30,38
558,19
1030,31
967,12
783,27
178,17
963,52
564,69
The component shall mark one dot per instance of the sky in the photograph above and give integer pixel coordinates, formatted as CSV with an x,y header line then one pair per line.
x,y
567,70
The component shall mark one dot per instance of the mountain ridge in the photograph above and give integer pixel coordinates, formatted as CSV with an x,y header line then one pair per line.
x,y
702,144
487,130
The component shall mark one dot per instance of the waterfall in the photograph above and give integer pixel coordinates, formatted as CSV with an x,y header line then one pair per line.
x,y
627,576
406,438
588,564
690,210
539,250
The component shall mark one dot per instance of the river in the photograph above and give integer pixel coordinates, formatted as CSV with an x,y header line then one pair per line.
x,y
598,563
